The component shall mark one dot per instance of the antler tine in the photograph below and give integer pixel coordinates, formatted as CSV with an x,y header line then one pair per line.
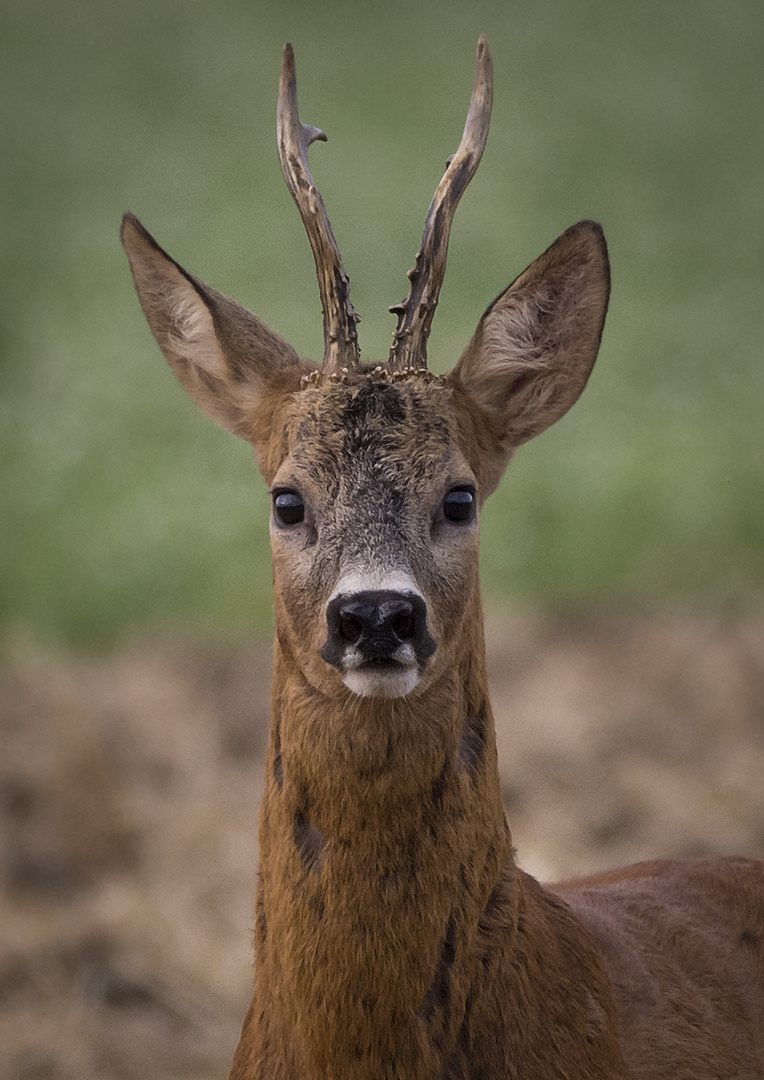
x,y
409,349
294,138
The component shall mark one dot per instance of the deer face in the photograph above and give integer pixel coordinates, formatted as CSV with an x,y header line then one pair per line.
x,y
377,477
374,533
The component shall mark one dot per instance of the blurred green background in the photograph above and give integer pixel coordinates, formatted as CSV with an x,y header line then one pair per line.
x,y
124,512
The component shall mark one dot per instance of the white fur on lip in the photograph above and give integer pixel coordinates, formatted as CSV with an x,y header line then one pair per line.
x,y
367,681
389,684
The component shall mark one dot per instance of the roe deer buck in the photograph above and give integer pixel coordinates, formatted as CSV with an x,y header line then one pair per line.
x,y
395,935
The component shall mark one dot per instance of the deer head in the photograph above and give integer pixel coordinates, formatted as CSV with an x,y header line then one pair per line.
x,y
378,474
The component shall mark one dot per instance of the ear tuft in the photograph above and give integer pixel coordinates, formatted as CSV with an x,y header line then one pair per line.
x,y
193,333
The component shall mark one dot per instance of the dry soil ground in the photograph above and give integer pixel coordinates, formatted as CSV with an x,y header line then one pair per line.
x,y
130,787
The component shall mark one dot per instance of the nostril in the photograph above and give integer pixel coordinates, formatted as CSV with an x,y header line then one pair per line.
x,y
403,625
396,618
351,627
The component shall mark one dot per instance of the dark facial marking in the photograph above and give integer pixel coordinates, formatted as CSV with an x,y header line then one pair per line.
x,y
472,746
316,905
309,842
261,925
439,994
373,400
278,766
438,786
497,920
494,914
458,1065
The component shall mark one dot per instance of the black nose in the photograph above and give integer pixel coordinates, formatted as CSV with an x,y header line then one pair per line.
x,y
377,623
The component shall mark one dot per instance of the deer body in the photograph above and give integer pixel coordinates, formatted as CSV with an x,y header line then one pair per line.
x,y
389,908
395,937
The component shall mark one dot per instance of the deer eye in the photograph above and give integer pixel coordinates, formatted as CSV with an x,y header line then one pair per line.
x,y
459,505
288,507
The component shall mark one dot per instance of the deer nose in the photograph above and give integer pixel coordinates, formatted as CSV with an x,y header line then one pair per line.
x,y
377,624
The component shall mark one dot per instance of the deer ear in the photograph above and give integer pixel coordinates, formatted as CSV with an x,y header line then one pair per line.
x,y
534,348
227,360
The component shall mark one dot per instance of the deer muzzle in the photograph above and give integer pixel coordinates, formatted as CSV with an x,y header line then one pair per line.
x,y
379,640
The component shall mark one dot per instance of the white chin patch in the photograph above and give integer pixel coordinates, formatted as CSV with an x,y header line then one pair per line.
x,y
389,684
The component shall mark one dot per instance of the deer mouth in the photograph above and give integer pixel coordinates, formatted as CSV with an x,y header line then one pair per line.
x,y
382,679
399,659
370,673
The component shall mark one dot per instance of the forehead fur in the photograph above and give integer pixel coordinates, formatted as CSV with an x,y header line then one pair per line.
x,y
331,430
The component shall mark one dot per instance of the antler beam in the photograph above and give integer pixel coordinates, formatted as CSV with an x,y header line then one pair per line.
x,y
409,349
340,336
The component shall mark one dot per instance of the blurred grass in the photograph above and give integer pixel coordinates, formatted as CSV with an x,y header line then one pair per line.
x,y
124,511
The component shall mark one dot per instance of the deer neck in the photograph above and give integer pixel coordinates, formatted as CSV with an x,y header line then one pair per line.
x,y
382,838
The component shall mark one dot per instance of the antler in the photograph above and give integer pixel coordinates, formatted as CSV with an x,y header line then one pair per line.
x,y
415,314
294,138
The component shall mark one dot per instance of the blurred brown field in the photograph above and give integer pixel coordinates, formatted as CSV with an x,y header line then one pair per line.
x,y
130,787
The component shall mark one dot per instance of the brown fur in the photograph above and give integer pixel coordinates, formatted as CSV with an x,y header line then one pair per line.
x,y
395,937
